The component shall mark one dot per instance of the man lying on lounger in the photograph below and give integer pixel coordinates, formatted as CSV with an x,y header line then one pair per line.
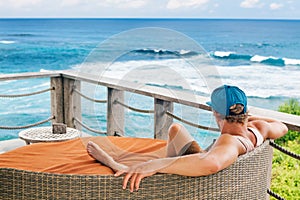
x,y
240,134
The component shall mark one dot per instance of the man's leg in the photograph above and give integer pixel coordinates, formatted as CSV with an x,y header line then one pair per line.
x,y
99,154
180,142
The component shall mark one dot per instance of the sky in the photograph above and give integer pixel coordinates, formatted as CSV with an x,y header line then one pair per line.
x,y
241,9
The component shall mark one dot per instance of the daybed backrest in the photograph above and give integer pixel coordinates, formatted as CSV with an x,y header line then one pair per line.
x,y
248,178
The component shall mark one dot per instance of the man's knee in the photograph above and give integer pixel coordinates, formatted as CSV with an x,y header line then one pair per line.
x,y
174,129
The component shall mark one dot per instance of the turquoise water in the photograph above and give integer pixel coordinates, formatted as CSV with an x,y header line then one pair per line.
x,y
260,56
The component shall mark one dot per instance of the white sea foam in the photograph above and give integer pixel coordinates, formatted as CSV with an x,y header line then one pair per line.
x,y
258,80
263,81
44,70
7,82
7,42
159,50
171,72
27,111
270,60
223,53
289,61
182,52
20,88
258,58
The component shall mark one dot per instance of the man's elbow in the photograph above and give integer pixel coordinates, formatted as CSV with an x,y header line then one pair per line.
x,y
278,131
284,130
212,166
214,169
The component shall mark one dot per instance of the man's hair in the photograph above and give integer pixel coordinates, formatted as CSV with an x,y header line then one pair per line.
x,y
235,115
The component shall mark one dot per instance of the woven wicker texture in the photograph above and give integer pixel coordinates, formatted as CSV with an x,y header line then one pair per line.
x,y
248,178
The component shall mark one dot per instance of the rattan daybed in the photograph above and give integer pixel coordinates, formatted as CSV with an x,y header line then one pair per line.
x,y
248,178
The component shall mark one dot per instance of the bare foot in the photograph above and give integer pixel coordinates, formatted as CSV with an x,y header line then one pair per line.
x,y
96,152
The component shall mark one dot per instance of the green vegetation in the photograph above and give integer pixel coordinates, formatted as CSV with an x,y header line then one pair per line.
x,y
285,169
291,107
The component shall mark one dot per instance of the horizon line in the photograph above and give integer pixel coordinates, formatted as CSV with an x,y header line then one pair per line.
x,y
152,18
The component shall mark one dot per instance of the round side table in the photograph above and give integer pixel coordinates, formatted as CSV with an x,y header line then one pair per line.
x,y
44,134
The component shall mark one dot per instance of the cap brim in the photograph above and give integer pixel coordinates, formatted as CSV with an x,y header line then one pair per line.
x,y
209,103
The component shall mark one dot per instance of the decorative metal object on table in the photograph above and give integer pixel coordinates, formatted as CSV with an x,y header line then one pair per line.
x,y
56,133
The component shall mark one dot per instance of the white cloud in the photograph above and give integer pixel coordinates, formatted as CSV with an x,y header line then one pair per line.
x,y
275,6
134,4
250,4
105,3
149,8
23,3
127,3
68,3
175,4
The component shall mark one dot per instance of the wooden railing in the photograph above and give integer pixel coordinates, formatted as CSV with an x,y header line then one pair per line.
x,y
66,106
66,94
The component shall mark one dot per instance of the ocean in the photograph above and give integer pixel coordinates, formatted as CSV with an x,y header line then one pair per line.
x,y
260,56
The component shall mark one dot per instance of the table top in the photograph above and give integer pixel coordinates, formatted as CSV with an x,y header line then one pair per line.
x,y
44,134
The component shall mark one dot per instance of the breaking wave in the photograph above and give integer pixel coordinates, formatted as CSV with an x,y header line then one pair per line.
x,y
267,60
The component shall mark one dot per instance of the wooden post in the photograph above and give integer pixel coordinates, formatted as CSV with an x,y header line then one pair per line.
x,y
115,112
72,102
162,121
57,106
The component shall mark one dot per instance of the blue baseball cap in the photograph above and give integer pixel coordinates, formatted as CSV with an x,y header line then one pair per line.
x,y
223,97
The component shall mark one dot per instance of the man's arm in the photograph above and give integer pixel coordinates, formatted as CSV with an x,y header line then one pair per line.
x,y
269,128
224,152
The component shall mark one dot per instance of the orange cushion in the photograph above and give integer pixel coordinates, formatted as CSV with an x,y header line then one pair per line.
x,y
71,157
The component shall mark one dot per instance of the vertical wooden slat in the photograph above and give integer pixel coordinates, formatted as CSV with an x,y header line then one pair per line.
x,y
76,104
115,112
57,106
72,102
162,121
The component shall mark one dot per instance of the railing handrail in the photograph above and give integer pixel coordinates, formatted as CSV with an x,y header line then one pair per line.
x,y
182,97
186,98
147,90
26,75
